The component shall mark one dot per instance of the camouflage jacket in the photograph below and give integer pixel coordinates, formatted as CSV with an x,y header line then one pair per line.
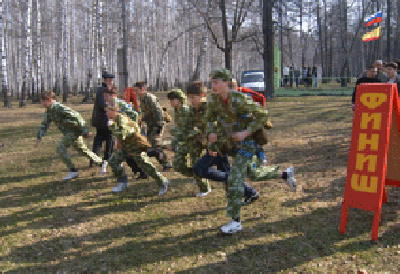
x,y
239,114
128,135
127,109
178,131
152,112
66,119
196,124
122,126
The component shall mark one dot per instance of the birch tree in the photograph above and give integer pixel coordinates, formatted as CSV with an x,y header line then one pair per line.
x,y
4,39
26,8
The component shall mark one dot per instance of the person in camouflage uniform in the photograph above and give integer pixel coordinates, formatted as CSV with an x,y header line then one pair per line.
x,y
128,134
177,99
110,96
190,135
72,126
153,116
226,127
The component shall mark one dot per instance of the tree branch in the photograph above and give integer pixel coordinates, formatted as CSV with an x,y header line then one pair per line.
x,y
215,39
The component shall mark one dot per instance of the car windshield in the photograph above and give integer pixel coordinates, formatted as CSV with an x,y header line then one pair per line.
x,y
252,78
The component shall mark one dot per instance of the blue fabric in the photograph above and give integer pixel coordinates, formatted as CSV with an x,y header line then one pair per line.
x,y
201,168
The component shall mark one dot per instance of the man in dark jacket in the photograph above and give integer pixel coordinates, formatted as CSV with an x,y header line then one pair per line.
x,y
391,69
370,78
99,121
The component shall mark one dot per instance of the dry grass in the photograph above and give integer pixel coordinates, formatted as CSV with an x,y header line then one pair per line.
x,y
48,225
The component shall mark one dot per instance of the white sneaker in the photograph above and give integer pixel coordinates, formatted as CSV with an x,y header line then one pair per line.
x,y
120,187
104,168
290,179
231,227
202,194
163,189
71,175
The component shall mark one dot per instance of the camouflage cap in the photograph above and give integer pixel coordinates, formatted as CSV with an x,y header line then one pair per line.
x,y
223,74
177,93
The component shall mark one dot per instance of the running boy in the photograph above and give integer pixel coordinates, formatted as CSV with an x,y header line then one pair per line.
x,y
72,126
226,107
190,131
133,144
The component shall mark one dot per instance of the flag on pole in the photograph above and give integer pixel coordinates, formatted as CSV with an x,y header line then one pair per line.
x,y
376,18
372,35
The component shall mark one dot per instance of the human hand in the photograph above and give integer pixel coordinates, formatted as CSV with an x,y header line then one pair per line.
x,y
212,137
240,136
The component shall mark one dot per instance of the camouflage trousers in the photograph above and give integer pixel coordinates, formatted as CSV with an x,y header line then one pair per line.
x,y
242,167
258,172
180,163
156,144
154,138
71,139
141,159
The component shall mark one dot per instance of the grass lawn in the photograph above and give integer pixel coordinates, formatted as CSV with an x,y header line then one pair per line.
x,y
48,225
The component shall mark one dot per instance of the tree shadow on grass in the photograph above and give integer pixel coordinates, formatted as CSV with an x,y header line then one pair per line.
x,y
15,179
22,196
313,158
58,217
316,236
22,131
319,194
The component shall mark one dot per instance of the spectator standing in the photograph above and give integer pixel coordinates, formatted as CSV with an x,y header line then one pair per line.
x,y
285,76
381,75
100,120
391,69
369,78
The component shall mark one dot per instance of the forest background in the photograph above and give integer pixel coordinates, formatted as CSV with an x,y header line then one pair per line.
x,y
66,45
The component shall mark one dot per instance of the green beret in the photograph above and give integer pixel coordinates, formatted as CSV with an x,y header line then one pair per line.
x,y
177,93
223,74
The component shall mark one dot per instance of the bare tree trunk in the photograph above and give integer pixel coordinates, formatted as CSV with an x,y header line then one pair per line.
x,y
124,72
95,47
4,39
39,74
301,35
200,58
269,46
65,49
34,51
72,51
320,36
397,45
388,31
281,38
103,34
228,61
344,39
25,7
89,82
